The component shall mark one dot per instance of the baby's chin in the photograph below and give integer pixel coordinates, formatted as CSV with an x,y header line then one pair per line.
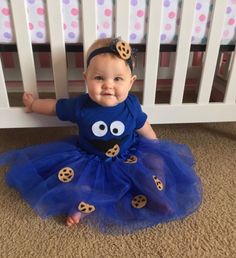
x,y
108,101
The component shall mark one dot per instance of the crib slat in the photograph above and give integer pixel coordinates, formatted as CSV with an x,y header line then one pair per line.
x,y
89,25
57,43
213,45
4,103
190,113
24,47
152,51
183,50
122,19
230,95
15,117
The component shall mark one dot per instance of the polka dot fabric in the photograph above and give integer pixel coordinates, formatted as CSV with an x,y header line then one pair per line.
x,y
37,13
105,14
72,23
6,33
72,20
138,20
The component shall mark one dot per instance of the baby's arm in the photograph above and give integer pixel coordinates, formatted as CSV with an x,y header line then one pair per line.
x,y
41,106
147,131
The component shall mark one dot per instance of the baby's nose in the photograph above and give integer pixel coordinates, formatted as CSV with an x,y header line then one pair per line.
x,y
108,84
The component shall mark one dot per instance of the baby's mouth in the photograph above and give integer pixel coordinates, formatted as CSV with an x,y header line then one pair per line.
x,y
107,94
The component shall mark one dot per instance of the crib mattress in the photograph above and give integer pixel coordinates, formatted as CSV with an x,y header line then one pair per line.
x,y
106,18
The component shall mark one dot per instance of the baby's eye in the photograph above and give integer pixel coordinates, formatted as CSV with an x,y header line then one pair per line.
x,y
98,78
118,79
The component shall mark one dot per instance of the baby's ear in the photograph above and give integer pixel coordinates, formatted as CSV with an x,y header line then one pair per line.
x,y
132,80
85,76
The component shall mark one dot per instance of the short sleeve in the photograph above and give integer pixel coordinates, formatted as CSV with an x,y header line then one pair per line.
x,y
139,115
66,109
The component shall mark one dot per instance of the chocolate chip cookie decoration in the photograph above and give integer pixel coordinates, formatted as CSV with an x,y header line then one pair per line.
x,y
66,174
132,159
158,183
113,151
123,49
86,208
139,201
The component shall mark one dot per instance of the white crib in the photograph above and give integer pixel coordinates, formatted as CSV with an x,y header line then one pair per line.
x,y
148,69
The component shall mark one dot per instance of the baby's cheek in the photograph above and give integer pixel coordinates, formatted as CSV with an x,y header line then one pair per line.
x,y
123,94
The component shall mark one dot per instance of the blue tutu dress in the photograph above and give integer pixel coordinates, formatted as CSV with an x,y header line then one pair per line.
x,y
121,180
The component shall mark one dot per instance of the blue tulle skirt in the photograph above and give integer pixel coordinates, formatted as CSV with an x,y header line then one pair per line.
x,y
152,183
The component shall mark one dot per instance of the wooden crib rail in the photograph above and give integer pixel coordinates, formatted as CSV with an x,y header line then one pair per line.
x,y
57,44
230,95
152,52
4,103
175,111
212,51
183,51
23,40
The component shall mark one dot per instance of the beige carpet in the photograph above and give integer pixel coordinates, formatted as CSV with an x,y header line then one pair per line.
x,y
210,232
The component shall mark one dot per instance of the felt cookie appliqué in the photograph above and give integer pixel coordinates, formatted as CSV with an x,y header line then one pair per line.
x,y
113,151
123,49
86,208
139,201
132,159
66,174
158,183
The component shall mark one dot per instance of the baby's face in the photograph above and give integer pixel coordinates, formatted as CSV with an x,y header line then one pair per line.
x,y
108,80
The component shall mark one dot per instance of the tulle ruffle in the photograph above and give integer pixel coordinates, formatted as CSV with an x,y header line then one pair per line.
x,y
152,183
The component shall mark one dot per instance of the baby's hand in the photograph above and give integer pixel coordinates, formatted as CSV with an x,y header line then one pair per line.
x,y
28,100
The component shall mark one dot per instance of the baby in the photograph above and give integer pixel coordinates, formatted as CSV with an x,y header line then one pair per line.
x,y
115,169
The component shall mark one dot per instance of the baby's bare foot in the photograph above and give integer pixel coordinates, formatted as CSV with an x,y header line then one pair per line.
x,y
73,219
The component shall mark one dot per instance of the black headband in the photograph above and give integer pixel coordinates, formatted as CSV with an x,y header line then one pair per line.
x,y
119,48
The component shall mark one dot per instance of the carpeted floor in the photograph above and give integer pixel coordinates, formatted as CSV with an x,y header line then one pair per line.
x,y
208,233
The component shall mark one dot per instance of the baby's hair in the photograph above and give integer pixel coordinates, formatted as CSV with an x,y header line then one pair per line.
x,y
100,43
